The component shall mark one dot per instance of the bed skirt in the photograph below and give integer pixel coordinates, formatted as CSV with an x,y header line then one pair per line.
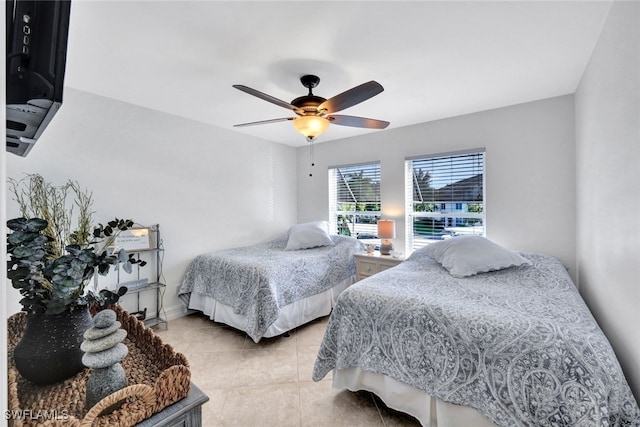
x,y
428,410
291,316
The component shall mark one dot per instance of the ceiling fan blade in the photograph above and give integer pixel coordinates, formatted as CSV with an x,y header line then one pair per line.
x,y
351,97
359,122
264,122
266,97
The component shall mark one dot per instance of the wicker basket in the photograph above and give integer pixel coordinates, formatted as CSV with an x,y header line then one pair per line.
x,y
158,376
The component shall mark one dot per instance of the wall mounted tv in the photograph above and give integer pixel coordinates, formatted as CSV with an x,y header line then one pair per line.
x,y
37,33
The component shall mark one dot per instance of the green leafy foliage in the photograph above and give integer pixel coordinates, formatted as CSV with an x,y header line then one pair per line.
x,y
51,284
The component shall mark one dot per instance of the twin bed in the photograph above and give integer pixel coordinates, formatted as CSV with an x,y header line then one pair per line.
x,y
270,288
462,333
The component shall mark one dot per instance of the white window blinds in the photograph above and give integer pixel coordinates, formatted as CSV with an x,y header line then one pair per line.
x,y
445,197
354,199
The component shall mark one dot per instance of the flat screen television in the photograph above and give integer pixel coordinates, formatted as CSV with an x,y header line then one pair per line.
x,y
37,34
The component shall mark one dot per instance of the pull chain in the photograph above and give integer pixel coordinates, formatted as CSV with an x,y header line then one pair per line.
x,y
311,155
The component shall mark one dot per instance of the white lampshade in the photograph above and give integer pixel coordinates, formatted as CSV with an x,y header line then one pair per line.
x,y
311,126
386,229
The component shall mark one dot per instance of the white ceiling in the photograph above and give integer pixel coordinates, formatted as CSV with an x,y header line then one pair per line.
x,y
435,59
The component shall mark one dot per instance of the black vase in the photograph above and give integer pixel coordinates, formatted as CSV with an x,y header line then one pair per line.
x,y
49,350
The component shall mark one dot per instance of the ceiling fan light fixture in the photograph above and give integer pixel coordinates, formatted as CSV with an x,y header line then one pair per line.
x,y
311,126
315,112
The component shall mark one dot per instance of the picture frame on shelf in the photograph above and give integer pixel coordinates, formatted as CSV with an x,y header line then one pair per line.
x,y
134,239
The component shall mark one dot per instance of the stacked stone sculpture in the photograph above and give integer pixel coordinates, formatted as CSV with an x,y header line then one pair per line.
x,y
104,351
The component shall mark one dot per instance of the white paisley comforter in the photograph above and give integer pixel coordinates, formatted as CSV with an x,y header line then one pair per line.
x,y
519,345
258,280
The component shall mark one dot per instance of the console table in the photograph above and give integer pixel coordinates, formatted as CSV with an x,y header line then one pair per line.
x,y
184,413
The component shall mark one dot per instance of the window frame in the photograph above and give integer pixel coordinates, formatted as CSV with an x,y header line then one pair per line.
x,y
355,225
442,210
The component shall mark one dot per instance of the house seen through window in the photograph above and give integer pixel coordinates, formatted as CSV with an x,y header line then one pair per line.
x,y
354,199
445,197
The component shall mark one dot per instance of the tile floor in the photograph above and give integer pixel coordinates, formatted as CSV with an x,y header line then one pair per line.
x,y
269,383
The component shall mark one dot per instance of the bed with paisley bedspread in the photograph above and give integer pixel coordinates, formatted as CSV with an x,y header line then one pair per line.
x,y
267,289
512,347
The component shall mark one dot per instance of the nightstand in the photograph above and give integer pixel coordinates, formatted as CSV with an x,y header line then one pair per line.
x,y
370,264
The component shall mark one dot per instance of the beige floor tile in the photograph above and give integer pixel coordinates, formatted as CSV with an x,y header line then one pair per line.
x,y
213,370
271,405
271,366
269,383
215,339
212,410
311,333
306,360
195,320
184,332
175,335
321,406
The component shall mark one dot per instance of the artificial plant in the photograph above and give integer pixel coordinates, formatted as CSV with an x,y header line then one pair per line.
x,y
52,263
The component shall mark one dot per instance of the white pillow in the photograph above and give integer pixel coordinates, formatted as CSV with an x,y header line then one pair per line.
x,y
468,255
309,235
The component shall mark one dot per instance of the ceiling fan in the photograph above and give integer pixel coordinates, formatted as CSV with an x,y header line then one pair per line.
x,y
316,113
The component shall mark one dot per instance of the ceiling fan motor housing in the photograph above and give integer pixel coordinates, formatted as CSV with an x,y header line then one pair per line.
x,y
310,102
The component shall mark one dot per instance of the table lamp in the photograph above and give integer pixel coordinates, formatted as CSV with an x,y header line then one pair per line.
x,y
386,231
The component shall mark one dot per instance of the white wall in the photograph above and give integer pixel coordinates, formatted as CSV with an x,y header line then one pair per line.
x,y
208,188
608,185
530,173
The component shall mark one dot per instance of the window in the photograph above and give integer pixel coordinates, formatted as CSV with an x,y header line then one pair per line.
x,y
354,199
445,197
